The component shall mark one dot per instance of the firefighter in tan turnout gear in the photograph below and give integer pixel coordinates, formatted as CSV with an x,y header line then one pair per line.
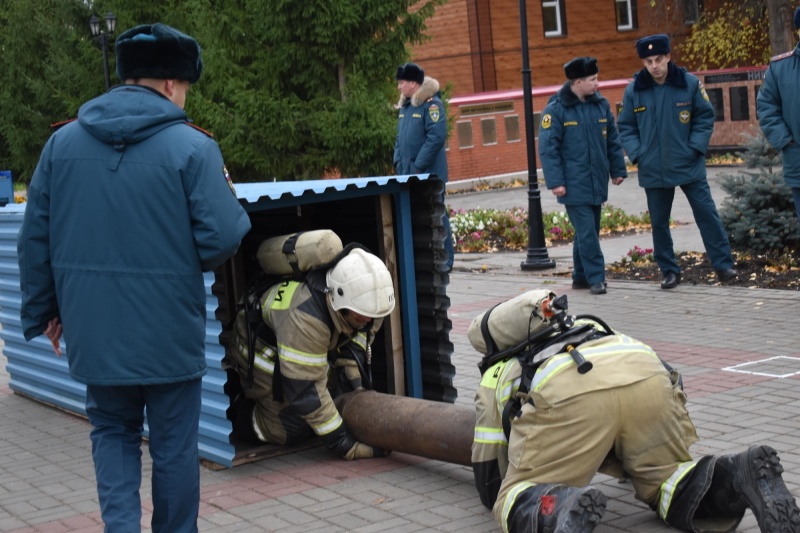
x,y
316,339
576,398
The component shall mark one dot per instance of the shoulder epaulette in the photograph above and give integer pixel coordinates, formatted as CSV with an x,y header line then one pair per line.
x,y
198,128
782,56
57,125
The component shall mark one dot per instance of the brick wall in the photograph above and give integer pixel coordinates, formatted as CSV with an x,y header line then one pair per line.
x,y
738,89
504,155
591,30
447,56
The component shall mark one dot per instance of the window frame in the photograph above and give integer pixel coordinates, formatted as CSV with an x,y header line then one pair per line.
x,y
561,18
633,22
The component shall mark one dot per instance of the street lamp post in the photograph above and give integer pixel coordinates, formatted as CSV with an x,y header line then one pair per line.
x,y
537,258
98,31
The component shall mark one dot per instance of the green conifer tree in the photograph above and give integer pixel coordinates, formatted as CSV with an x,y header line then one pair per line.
x,y
759,213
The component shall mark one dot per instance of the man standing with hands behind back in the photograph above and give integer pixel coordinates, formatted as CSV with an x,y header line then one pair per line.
x,y
127,208
579,149
665,125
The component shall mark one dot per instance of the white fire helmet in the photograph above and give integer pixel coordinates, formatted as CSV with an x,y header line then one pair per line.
x,y
362,283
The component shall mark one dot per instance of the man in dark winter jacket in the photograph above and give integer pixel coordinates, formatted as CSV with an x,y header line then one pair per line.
x,y
665,125
579,150
128,207
778,108
421,133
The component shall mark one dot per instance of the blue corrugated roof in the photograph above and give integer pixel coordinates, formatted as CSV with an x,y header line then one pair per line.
x,y
255,192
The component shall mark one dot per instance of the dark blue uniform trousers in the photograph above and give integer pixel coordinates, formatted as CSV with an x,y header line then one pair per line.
x,y
715,240
173,415
587,257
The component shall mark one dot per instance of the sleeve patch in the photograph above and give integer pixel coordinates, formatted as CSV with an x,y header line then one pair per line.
x,y
228,179
433,111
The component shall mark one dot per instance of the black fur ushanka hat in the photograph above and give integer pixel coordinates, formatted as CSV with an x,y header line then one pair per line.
x,y
410,72
581,67
158,51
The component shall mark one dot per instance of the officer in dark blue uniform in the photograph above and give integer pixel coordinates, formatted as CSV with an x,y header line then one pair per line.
x,y
421,134
778,108
579,150
665,125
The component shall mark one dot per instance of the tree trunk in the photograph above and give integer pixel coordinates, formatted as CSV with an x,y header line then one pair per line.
x,y
781,26
342,82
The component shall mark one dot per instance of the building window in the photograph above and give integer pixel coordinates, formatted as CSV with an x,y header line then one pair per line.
x,y
626,15
512,129
618,107
740,104
715,97
691,11
464,134
554,18
489,131
537,122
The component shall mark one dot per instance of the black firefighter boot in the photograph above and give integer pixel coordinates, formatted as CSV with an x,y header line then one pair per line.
x,y
557,509
753,479
714,496
242,417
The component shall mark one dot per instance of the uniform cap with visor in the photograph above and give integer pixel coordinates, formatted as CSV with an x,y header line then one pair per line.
x,y
361,282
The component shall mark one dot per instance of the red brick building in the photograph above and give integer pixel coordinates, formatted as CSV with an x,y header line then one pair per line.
x,y
476,44
476,47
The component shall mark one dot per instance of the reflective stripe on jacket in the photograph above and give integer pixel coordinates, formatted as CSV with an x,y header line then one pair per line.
x,y
305,334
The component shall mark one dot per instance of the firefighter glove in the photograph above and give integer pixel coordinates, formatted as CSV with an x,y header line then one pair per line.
x,y
364,451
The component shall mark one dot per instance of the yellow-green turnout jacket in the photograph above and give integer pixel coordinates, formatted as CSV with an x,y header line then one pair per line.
x,y
617,359
311,348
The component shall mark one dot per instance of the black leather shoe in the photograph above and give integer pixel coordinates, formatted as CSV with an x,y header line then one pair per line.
x,y
576,284
671,280
598,288
726,274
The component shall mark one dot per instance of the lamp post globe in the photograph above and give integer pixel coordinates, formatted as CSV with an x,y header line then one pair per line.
x,y
111,22
97,31
94,25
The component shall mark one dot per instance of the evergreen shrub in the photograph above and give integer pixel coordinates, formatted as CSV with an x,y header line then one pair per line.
x,y
759,213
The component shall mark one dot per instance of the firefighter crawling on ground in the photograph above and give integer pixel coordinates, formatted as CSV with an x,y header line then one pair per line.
x,y
562,397
310,341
